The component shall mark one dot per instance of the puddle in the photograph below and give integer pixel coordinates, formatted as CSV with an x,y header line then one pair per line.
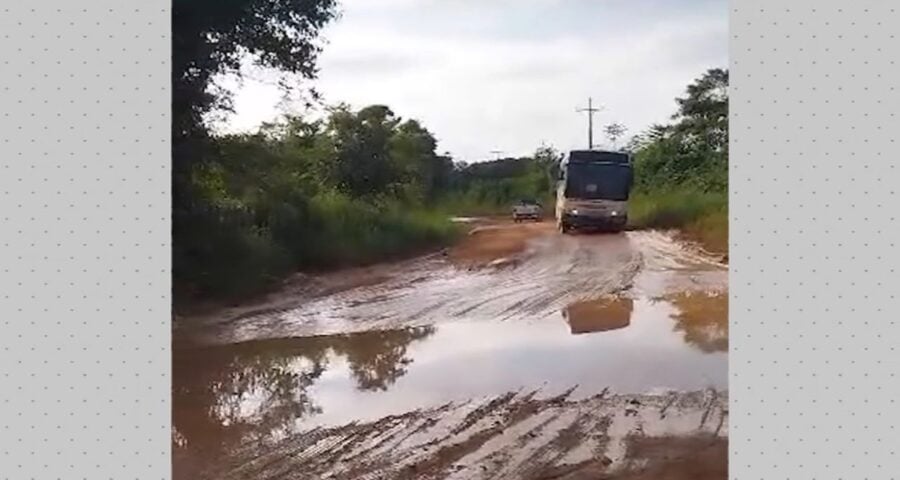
x,y
601,315
270,388
702,317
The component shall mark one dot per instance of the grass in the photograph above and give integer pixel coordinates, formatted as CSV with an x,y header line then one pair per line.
x,y
329,231
700,216
354,232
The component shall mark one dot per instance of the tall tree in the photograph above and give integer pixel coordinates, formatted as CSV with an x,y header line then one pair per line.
x,y
549,159
693,149
361,142
614,131
702,116
213,37
412,149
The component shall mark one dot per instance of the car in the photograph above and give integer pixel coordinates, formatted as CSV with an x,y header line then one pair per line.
x,y
527,210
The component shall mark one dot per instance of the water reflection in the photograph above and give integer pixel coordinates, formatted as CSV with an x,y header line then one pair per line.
x,y
264,390
702,318
600,315
378,359
258,390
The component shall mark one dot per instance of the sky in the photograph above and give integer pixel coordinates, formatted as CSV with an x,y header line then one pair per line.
x,y
508,75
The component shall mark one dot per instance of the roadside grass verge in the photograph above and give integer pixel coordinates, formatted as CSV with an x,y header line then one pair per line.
x,y
700,216
353,232
328,231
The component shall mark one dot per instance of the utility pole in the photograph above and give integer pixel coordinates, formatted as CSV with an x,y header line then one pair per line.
x,y
497,153
590,111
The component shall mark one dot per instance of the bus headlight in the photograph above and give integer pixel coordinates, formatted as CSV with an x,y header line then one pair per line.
x,y
614,213
574,211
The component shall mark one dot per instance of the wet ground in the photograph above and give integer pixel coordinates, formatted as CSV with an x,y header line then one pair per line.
x,y
537,356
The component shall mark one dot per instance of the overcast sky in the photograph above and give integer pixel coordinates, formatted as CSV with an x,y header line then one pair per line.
x,y
508,74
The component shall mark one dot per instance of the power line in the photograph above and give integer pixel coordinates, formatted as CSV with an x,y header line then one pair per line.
x,y
497,153
590,111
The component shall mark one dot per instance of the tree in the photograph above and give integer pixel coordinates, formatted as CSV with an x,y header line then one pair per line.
x,y
211,38
412,150
614,131
214,37
702,116
693,149
548,156
549,159
361,146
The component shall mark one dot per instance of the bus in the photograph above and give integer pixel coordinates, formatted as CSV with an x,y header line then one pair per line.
x,y
593,190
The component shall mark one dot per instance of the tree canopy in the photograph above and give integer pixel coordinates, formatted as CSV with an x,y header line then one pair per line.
x,y
213,37
357,185
692,150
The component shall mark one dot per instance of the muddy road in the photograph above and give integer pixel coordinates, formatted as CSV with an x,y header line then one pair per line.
x,y
519,353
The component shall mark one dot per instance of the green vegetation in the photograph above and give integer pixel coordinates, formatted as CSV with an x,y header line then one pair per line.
x,y
489,188
354,188
701,216
248,209
361,186
681,169
220,243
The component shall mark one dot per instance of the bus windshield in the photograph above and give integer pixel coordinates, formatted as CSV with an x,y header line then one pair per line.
x,y
598,181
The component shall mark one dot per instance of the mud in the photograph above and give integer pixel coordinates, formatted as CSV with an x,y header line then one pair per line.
x,y
495,245
589,356
555,271
506,436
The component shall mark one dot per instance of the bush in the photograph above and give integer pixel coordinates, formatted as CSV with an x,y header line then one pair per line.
x,y
681,169
228,255
355,231
220,255
701,216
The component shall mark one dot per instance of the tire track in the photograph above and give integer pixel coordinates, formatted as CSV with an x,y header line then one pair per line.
x,y
507,436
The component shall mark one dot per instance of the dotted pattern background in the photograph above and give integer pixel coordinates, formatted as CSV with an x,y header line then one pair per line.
x,y
84,288
814,228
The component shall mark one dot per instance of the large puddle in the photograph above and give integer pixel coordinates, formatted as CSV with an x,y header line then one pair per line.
x,y
270,388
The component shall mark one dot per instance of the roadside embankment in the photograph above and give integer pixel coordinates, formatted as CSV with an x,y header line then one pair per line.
x,y
700,217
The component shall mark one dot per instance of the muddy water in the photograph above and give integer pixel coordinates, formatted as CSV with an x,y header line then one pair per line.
x,y
272,388
553,273
629,314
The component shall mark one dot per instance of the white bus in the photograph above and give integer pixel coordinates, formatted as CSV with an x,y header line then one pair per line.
x,y
593,190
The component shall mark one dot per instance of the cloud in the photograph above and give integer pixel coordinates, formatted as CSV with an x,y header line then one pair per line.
x,y
508,75
362,63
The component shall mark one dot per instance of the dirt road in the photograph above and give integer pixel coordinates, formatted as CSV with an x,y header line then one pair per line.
x,y
520,353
